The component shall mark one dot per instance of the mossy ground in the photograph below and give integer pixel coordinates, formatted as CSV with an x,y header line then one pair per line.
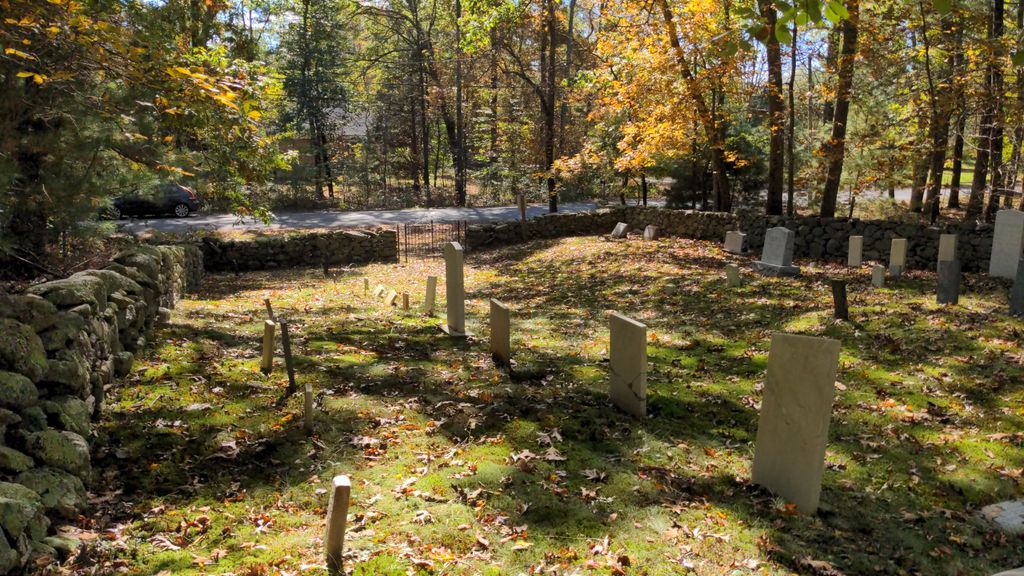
x,y
461,468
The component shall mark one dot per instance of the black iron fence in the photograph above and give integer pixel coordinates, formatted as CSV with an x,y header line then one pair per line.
x,y
427,240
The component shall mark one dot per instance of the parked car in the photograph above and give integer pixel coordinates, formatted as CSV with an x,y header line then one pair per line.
x,y
167,198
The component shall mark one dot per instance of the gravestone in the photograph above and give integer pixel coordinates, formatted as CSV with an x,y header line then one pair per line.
x,y
390,299
777,256
378,292
855,255
651,232
842,310
405,301
455,323
1008,516
366,285
947,247
267,363
897,257
1017,292
627,353
792,432
735,242
732,276
620,230
337,517
1007,244
307,408
948,282
431,296
501,337
878,276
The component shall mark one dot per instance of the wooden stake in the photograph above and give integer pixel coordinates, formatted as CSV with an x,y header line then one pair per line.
x,y
267,365
405,301
307,408
337,517
270,309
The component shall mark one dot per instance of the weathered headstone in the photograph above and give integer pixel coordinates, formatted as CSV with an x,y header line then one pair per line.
x,y
947,247
1008,516
1007,244
431,296
650,232
455,323
378,292
1017,292
777,255
948,282
390,299
897,257
878,276
732,276
337,517
501,335
735,242
842,310
366,285
792,432
267,363
855,256
627,352
405,301
620,230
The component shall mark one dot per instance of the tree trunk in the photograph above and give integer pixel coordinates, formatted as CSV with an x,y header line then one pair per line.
x,y
958,161
776,112
492,153
996,131
791,135
831,62
459,152
835,148
983,157
563,113
548,64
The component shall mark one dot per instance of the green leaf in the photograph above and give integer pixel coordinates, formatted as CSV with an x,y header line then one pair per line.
x,y
802,19
782,33
835,12
943,6
1018,58
728,48
813,10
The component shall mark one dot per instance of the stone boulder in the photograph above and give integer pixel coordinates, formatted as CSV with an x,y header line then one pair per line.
x,y
74,291
13,461
113,281
21,350
67,373
20,510
17,391
60,493
28,309
68,413
61,449
67,328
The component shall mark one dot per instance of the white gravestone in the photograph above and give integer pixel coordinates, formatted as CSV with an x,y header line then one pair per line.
x,y
897,257
267,364
1007,244
455,323
337,517
732,276
620,230
651,232
379,291
1017,292
878,276
855,257
735,242
947,247
627,353
390,299
431,296
777,255
792,432
501,336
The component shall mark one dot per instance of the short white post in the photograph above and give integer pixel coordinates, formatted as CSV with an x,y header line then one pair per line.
x,y
455,323
267,365
501,333
307,408
431,296
337,517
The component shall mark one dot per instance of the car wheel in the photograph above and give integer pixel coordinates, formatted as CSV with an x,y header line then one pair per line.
x,y
181,210
115,213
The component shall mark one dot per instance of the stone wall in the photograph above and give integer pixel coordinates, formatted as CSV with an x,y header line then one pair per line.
x,y
61,343
312,249
816,238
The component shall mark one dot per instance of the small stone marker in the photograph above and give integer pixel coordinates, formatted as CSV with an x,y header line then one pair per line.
x,y
379,291
1009,516
307,408
620,230
1017,292
897,257
855,256
792,432
878,276
501,333
732,276
337,517
735,242
1007,244
405,301
947,247
948,282
390,299
651,232
627,353
431,296
455,323
267,364
366,285
842,310
777,256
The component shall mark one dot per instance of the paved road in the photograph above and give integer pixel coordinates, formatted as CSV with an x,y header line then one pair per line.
x,y
224,222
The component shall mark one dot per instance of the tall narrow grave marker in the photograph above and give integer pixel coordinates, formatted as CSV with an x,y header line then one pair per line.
x,y
501,333
627,353
1007,244
431,296
337,517
267,363
948,282
855,256
842,310
455,323
1017,292
947,247
897,257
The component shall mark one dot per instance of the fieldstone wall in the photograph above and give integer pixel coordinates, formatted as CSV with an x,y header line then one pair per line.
x,y
61,343
283,251
816,238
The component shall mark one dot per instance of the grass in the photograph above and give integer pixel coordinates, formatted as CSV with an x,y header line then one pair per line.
x,y
461,468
